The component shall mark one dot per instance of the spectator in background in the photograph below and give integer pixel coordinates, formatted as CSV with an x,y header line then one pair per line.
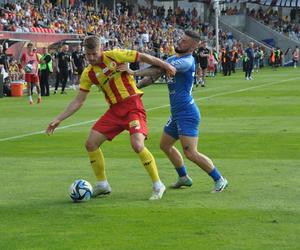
x,y
46,69
249,64
197,75
296,56
258,56
203,61
211,64
234,58
272,58
63,65
78,62
14,71
278,57
3,59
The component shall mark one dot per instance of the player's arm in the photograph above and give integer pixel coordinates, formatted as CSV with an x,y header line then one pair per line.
x,y
168,68
146,81
150,74
70,110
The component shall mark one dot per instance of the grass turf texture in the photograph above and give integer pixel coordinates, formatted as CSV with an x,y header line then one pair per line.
x,y
249,128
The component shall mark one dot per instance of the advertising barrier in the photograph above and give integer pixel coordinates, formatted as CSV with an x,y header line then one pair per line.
x,y
39,40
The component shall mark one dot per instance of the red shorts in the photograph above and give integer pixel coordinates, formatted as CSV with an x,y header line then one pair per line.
x,y
32,78
127,115
211,67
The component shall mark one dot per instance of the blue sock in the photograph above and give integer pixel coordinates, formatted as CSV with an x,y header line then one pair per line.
x,y
181,171
215,174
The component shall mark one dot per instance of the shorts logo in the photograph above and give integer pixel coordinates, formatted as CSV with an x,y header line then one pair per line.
x,y
135,124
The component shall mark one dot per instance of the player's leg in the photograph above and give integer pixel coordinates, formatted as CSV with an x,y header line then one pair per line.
x,y
35,81
167,146
29,91
97,161
148,161
38,90
189,145
135,123
168,139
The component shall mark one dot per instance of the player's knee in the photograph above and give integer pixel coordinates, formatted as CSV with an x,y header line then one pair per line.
x,y
90,146
190,154
137,146
164,148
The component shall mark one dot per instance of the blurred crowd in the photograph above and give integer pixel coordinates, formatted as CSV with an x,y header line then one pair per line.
x,y
154,31
287,25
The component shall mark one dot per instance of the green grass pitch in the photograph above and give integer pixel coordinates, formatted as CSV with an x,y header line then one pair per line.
x,y
251,129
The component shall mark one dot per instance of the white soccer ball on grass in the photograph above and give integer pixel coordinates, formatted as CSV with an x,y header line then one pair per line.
x,y
80,190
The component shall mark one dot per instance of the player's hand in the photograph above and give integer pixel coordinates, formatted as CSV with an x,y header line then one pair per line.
x,y
170,70
52,126
124,67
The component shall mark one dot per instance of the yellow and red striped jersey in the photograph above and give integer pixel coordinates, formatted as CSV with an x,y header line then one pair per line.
x,y
115,85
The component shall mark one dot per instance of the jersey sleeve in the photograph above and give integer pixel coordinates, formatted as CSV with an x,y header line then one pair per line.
x,y
123,55
85,82
182,64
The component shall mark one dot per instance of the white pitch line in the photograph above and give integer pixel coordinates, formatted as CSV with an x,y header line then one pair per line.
x,y
154,108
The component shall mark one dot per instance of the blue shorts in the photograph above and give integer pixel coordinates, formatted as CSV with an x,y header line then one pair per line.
x,y
184,126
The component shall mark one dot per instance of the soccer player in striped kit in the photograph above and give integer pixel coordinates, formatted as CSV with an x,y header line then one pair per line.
x,y
126,110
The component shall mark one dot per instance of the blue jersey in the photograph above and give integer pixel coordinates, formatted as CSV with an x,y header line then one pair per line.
x,y
181,85
185,115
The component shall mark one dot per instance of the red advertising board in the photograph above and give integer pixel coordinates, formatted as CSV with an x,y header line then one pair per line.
x,y
39,40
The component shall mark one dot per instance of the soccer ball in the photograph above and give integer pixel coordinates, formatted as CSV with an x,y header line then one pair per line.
x,y
80,190
28,68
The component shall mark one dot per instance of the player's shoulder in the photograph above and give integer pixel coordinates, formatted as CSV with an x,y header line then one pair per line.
x,y
114,52
86,70
171,58
183,63
187,59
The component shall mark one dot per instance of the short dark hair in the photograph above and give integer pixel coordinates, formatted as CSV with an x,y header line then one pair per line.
x,y
193,34
30,44
91,42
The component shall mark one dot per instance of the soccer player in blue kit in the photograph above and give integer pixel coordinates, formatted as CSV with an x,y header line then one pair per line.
x,y
185,115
